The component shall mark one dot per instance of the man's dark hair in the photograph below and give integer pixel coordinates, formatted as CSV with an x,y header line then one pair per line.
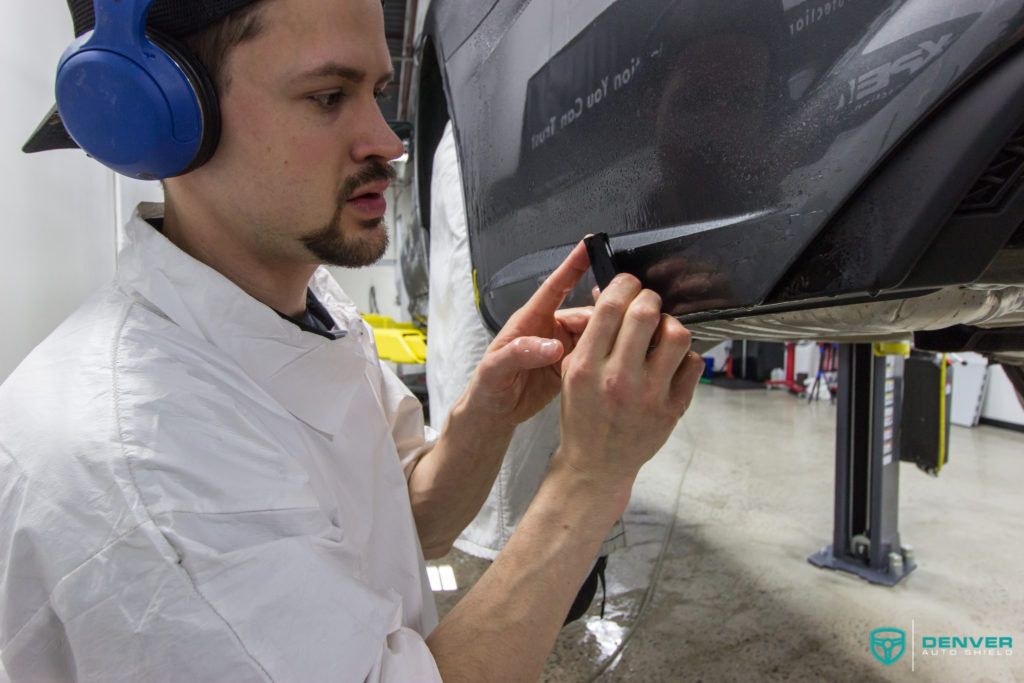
x,y
212,45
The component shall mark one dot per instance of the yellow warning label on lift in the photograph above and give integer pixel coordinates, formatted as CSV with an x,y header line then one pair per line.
x,y
891,349
942,413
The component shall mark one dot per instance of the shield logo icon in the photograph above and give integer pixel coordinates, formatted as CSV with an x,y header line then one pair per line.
x,y
888,644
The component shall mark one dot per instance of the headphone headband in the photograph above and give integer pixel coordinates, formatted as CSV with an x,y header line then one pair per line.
x,y
121,22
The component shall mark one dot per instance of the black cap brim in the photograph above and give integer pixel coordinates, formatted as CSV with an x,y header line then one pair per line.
x,y
51,134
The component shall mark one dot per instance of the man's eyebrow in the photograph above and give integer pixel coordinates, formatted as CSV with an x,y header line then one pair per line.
x,y
349,73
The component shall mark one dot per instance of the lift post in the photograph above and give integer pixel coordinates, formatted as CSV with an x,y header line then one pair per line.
x,y
866,539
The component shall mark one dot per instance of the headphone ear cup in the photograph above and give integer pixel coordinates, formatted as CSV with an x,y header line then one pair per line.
x,y
205,92
146,111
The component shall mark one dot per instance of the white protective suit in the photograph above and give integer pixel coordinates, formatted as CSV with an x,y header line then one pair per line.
x,y
456,341
194,489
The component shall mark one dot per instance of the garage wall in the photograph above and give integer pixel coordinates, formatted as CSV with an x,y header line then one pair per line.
x,y
57,238
1001,399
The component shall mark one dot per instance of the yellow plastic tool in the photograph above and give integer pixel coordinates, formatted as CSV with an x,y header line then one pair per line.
x,y
397,341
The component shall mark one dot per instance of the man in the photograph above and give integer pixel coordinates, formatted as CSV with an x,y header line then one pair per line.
x,y
205,473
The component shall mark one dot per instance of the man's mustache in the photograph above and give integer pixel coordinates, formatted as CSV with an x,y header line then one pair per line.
x,y
372,172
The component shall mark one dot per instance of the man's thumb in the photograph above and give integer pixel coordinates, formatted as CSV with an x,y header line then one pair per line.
x,y
535,352
522,353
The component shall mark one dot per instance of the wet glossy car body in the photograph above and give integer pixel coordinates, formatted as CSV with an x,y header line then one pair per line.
x,y
756,160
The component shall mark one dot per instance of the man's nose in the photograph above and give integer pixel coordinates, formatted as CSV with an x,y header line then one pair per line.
x,y
376,139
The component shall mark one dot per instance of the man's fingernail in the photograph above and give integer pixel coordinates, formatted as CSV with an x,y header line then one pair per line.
x,y
549,346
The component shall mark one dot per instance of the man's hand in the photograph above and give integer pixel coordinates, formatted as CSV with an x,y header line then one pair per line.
x,y
518,375
626,379
521,371
629,380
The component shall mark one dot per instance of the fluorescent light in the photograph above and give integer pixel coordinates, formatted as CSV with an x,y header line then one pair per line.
x,y
434,578
442,578
447,578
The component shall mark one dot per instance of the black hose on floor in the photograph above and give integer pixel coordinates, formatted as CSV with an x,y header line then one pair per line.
x,y
612,661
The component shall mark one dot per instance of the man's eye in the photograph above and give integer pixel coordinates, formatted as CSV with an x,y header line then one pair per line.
x,y
382,95
328,100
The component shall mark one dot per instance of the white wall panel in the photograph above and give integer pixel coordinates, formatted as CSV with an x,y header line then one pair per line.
x,y
56,208
128,194
1001,399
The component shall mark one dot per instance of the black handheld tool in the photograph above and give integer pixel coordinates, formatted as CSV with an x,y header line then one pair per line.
x,y
602,261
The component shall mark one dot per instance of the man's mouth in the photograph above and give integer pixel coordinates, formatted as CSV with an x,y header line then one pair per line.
x,y
372,204
369,199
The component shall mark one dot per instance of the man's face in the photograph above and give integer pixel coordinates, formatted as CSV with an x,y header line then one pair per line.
x,y
301,167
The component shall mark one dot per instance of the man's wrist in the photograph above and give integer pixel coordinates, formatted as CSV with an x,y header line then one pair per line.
x,y
604,489
471,412
469,422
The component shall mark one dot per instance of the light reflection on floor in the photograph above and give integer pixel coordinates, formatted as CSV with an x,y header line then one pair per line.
x,y
606,633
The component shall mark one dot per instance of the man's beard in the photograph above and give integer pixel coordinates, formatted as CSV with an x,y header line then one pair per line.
x,y
332,246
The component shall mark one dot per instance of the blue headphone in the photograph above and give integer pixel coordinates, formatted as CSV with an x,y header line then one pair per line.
x,y
138,103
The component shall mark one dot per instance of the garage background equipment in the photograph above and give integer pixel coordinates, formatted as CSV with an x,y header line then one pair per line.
x,y
865,536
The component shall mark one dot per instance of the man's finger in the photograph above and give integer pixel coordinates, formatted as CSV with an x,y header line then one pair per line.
x,y
499,368
684,383
671,344
546,300
638,326
574,320
597,340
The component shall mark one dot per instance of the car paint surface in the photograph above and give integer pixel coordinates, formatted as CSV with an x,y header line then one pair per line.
x,y
711,140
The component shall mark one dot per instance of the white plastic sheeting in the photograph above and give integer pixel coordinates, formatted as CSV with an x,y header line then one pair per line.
x,y
456,341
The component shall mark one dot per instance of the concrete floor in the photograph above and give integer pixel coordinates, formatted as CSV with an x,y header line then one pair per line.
x,y
715,586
